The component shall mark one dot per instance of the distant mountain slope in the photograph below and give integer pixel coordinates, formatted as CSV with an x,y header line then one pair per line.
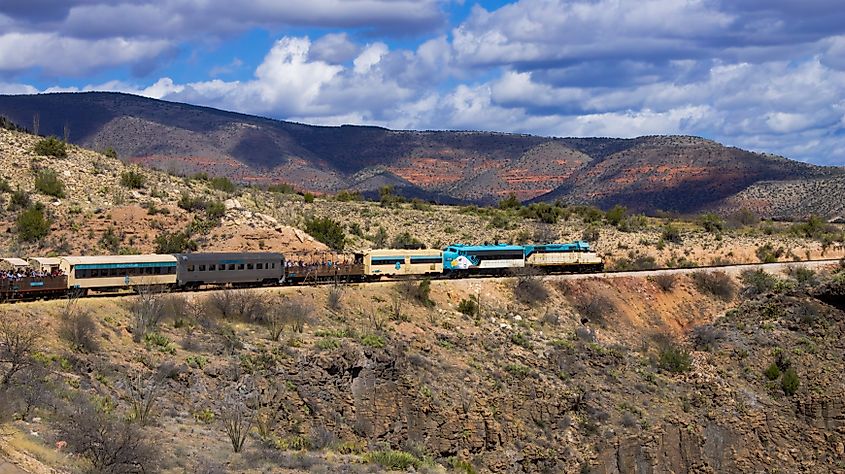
x,y
682,174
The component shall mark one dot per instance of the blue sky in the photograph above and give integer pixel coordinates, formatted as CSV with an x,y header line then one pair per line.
x,y
767,75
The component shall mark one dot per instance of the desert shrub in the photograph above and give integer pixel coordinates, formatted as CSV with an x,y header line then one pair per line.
x,y
234,304
616,215
671,234
591,234
772,372
47,182
51,146
790,381
675,359
348,196
521,340
110,445
237,418
32,224
78,329
594,308
406,241
110,240
541,211
510,202
635,261
757,282
711,223
20,199
110,152
768,254
706,336
633,223
147,311
530,290
803,276
281,188
222,183
813,228
393,459
373,340
4,186
469,306
717,284
421,292
132,179
327,231
665,281
743,217
334,300
176,242
18,343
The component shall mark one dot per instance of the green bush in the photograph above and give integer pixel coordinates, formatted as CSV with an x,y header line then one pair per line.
x,y
32,225
406,241
394,460
768,254
772,372
718,284
20,200
222,183
308,197
757,282
374,341
4,186
281,188
132,179
520,340
468,306
110,152
543,212
675,359
176,242
510,202
48,182
671,234
616,215
347,196
423,293
215,210
790,381
327,231
51,146
711,223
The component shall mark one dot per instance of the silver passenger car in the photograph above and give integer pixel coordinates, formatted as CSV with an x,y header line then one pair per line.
x,y
229,268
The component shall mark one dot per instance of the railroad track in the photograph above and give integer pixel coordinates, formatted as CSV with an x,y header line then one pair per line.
x,y
735,268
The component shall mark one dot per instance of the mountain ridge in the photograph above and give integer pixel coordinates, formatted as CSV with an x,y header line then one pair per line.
x,y
650,173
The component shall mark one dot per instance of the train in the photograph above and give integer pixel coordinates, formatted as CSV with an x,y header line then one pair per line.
x,y
77,276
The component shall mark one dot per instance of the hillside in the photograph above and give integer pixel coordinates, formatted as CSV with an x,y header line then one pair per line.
x,y
593,376
683,174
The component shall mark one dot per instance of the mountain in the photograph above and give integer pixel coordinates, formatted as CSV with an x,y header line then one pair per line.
x,y
673,173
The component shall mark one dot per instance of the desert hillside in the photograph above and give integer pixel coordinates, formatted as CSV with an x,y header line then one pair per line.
x,y
668,173
678,373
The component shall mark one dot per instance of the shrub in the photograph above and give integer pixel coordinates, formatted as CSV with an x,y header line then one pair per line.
x,y
757,282
176,242
718,284
327,231
635,261
215,210
615,215
469,306
671,234
110,152
520,340
334,300
20,200
374,341
308,197
132,179
406,241
110,240
803,276
32,225
51,146
675,359
510,202
594,308
78,329
281,188
768,254
772,372
664,281
543,212
47,182
222,183
347,196
393,459
706,336
421,292
530,290
4,186
790,381
591,234
711,223
110,445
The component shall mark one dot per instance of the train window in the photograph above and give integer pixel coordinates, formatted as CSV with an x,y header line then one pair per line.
x,y
202,268
212,267
231,266
240,266
249,266
158,270
273,264
190,268
259,266
148,271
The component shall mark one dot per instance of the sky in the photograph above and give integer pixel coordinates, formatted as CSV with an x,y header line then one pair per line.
x,y
765,75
